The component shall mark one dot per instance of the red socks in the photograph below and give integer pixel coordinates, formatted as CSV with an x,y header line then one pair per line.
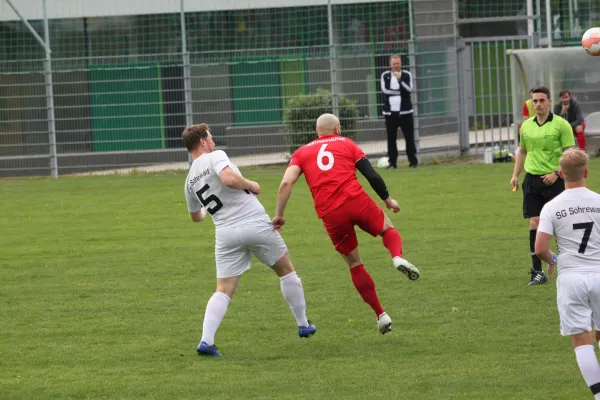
x,y
393,242
366,287
362,279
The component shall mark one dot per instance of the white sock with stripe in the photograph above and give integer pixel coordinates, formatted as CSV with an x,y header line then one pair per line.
x,y
589,367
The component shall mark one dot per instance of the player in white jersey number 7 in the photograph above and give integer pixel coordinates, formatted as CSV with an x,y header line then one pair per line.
x,y
573,217
242,228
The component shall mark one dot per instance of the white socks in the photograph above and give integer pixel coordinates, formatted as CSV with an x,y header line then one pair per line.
x,y
215,311
293,292
589,367
291,287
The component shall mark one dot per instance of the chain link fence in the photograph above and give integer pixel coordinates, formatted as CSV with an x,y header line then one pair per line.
x,y
116,91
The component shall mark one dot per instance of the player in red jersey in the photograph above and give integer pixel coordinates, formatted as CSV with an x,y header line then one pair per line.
x,y
329,164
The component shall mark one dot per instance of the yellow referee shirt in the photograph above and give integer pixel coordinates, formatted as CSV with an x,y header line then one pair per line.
x,y
545,143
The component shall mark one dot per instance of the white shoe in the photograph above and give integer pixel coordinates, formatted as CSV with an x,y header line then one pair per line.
x,y
406,268
384,323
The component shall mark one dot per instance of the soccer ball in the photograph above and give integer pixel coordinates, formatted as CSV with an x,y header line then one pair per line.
x,y
383,162
591,41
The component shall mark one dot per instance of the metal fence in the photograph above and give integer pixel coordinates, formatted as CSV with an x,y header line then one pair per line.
x,y
87,93
558,68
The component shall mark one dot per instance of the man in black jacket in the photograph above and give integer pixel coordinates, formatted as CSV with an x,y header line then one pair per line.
x,y
569,109
397,85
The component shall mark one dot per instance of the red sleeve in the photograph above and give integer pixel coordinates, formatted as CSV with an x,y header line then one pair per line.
x,y
525,110
296,160
357,152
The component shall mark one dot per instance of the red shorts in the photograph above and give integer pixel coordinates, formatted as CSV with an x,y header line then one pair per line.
x,y
361,211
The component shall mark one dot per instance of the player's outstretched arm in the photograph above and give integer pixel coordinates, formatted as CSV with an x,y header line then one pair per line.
x,y
377,183
292,173
232,179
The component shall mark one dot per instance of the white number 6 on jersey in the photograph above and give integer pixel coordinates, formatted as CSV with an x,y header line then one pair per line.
x,y
324,154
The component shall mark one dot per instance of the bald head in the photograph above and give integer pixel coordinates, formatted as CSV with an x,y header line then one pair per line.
x,y
328,124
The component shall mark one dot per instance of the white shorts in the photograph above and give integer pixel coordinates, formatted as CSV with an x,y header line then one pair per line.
x,y
578,299
234,247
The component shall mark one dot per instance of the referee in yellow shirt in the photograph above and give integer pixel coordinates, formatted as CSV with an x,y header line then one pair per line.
x,y
542,140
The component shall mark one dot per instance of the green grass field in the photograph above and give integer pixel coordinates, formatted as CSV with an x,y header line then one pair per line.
x,y
104,280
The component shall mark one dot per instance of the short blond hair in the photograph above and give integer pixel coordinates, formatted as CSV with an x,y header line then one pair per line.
x,y
573,164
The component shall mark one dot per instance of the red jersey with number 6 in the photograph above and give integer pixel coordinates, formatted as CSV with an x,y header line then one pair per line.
x,y
329,166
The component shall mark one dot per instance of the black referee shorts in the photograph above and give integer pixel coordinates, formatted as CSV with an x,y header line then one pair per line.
x,y
536,194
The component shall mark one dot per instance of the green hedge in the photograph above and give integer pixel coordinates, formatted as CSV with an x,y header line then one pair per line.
x,y
302,112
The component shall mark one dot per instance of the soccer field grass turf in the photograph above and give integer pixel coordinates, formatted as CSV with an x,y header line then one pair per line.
x,y
104,280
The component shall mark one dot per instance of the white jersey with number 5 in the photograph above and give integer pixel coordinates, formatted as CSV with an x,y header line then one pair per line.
x,y
203,188
573,217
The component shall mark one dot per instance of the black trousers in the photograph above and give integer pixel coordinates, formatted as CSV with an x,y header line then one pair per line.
x,y
406,124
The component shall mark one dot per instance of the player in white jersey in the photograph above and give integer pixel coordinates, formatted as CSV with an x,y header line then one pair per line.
x,y
242,228
573,217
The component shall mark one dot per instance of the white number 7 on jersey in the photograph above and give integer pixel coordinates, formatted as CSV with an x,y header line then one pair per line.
x,y
324,154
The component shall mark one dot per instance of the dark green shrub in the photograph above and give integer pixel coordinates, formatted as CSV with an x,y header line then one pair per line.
x,y
301,115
